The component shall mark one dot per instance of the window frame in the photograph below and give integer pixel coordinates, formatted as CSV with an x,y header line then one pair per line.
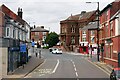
x,y
8,33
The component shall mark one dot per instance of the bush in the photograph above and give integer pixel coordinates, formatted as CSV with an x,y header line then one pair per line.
x,y
47,47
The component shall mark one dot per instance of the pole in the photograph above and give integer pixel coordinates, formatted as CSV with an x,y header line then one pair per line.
x,y
98,51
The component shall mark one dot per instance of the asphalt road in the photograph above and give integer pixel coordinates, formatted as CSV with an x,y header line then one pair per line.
x,y
66,66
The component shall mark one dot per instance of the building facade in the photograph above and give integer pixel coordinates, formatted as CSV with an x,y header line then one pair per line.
x,y
89,37
70,34
110,33
13,30
39,34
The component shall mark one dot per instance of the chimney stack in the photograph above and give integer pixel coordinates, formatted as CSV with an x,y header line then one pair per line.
x,y
20,12
42,27
83,12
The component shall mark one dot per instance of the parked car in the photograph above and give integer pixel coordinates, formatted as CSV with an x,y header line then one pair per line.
x,y
56,51
51,49
115,74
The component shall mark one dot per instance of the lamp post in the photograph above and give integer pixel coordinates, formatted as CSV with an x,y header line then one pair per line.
x,y
98,50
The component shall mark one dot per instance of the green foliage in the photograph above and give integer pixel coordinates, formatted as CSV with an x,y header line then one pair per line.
x,y
47,47
52,39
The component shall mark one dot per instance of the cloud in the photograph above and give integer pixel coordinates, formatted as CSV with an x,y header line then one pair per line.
x,y
49,13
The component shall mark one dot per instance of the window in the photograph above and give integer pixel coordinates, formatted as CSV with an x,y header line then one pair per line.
x,y
72,29
84,39
14,33
111,49
106,15
7,32
92,32
84,32
62,30
73,40
92,39
36,33
65,30
106,30
44,33
18,34
111,25
111,28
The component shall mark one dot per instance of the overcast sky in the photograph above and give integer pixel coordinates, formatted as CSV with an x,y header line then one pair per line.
x,y
49,13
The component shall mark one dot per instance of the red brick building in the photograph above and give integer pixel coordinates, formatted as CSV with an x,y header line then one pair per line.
x,y
89,37
110,33
39,34
70,28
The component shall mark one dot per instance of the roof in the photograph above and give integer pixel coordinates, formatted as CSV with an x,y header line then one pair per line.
x,y
39,29
81,16
11,14
90,26
115,15
108,6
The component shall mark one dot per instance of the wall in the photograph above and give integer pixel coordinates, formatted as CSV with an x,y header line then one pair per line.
x,y
4,61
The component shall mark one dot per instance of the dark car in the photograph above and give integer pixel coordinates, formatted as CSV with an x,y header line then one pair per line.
x,y
115,74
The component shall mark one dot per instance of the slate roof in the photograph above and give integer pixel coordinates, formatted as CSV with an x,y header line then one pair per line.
x,y
39,29
81,16
91,25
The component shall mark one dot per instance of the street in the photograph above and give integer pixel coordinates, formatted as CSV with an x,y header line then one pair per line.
x,y
66,66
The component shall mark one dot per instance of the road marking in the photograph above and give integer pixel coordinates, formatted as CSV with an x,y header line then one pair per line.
x,y
74,68
98,67
76,74
56,66
41,74
35,69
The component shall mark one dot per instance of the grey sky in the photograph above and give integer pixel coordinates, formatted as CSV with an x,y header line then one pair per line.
x,y
49,13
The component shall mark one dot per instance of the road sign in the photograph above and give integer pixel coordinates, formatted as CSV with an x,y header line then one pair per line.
x,y
22,48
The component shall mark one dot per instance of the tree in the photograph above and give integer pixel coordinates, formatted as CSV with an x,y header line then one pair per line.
x,y
52,39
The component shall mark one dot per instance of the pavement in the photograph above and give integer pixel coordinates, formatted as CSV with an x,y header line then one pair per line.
x,y
21,72
105,67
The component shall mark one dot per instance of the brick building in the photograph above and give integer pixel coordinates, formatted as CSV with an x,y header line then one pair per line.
x,y
39,34
70,28
13,30
110,33
89,36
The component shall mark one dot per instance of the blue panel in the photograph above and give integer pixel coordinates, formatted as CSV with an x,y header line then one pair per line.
x,y
22,48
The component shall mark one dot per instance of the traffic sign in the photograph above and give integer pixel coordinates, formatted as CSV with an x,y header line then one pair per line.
x,y
22,48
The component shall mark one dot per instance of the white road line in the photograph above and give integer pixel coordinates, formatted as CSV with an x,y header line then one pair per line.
x,y
76,74
74,68
35,69
56,66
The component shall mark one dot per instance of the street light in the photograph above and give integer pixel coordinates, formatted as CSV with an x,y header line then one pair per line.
x,y
98,50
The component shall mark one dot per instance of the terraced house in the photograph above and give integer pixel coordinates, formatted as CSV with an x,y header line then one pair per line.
x,y
110,33
13,30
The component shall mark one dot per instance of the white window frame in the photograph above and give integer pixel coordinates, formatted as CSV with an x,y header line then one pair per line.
x,y
14,33
8,32
18,35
